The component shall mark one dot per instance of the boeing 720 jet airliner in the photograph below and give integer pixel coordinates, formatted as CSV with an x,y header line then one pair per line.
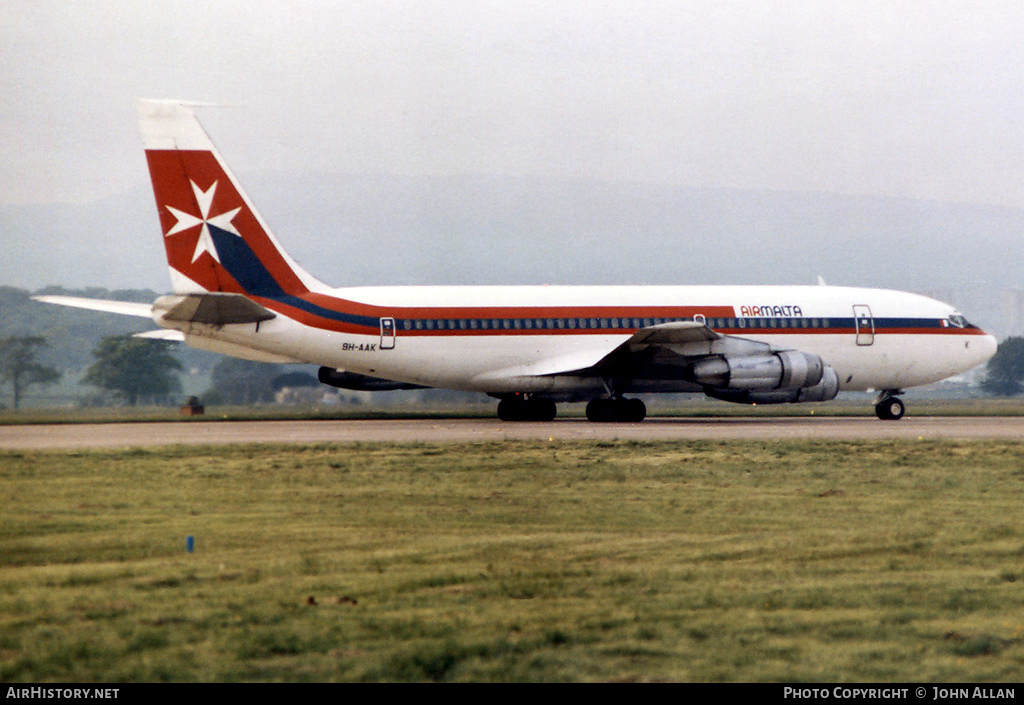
x,y
237,292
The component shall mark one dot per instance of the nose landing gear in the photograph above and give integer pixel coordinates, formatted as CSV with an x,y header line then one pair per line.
x,y
889,407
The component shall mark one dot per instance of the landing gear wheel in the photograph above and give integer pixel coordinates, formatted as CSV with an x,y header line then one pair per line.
x,y
636,410
523,409
542,409
890,409
599,410
616,409
512,409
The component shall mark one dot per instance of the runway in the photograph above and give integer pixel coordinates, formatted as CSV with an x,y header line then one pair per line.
x,y
131,435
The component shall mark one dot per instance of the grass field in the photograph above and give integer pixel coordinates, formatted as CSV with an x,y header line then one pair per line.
x,y
528,561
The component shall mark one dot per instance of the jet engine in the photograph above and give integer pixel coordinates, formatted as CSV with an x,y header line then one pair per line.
x,y
362,383
786,369
826,389
778,377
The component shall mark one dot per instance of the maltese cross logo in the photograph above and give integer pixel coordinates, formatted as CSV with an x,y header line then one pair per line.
x,y
187,221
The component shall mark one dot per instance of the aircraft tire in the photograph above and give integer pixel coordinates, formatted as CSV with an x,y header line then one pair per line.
x,y
542,409
636,410
611,410
519,409
513,409
598,410
890,409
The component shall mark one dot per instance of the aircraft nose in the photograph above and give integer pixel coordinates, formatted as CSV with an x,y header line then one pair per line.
x,y
983,348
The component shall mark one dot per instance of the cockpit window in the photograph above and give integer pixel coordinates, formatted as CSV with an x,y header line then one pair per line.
x,y
957,320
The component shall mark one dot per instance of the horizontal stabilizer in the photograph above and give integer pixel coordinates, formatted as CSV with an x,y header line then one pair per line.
x,y
215,309
125,308
163,334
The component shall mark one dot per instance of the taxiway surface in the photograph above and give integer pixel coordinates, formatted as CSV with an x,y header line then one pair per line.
x,y
123,435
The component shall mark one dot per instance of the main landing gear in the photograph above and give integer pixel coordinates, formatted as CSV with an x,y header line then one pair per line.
x,y
889,407
616,409
523,408
520,407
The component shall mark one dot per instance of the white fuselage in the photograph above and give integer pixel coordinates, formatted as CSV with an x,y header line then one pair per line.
x,y
563,342
531,338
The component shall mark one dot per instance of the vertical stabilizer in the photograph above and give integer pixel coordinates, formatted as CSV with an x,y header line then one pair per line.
x,y
214,237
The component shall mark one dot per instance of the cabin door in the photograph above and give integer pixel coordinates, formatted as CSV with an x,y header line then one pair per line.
x,y
387,333
865,324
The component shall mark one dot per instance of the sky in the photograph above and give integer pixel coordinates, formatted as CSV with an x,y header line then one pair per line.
x,y
918,100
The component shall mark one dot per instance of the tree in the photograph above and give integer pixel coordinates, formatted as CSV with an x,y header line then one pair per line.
x,y
134,367
294,379
237,381
1006,369
18,364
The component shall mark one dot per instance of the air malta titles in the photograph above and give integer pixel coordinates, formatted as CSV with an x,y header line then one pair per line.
x,y
768,311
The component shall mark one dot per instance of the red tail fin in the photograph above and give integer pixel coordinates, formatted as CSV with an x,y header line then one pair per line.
x,y
215,239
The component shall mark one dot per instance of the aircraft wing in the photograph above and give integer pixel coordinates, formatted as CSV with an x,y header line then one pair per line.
x,y
670,343
678,343
676,333
649,351
724,366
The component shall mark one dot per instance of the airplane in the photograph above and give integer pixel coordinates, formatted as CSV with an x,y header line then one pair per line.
x,y
237,292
